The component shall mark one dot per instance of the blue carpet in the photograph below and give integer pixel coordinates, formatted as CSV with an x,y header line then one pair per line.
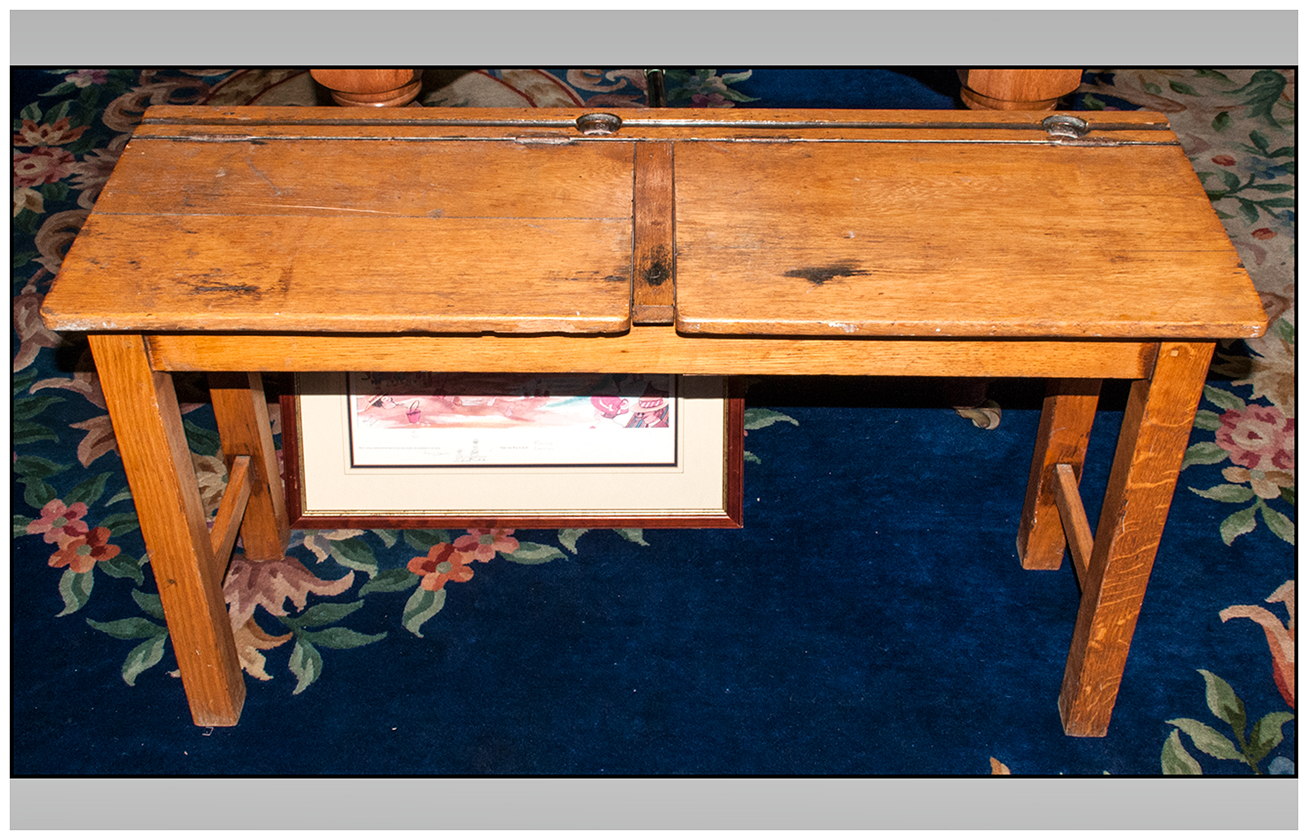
x,y
871,618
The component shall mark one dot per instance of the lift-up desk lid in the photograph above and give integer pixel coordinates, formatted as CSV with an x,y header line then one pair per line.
x,y
422,220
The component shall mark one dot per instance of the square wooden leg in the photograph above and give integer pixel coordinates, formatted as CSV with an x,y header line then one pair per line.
x,y
148,426
1065,424
1155,432
241,410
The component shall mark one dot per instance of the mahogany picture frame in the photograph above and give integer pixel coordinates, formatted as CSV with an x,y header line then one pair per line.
x,y
725,424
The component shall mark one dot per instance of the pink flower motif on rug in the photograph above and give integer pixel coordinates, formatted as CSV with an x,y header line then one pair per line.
x,y
483,545
59,523
443,563
42,165
86,78
55,134
1258,437
81,554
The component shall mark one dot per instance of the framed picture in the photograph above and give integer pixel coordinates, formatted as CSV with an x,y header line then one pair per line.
x,y
419,450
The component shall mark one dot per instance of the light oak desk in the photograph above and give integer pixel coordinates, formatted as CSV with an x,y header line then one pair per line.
x,y
249,240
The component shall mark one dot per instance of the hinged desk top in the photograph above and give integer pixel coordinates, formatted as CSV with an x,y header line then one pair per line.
x,y
834,223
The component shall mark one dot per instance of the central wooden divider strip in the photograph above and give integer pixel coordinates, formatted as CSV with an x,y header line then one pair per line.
x,y
653,290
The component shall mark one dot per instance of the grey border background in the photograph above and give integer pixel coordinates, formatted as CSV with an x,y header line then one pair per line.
x,y
655,39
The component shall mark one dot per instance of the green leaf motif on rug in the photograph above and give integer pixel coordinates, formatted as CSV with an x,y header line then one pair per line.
x,y
391,580
1204,452
1222,701
147,654
143,657
88,492
28,407
354,553
635,535
1226,493
1238,523
1277,522
320,614
422,605
1262,94
128,628
340,638
32,466
75,589
761,418
387,536
123,566
1266,734
1176,761
121,523
568,538
1208,740
148,602
422,540
202,441
306,664
530,553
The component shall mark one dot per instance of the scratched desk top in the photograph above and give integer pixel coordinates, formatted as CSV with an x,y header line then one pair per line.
x,y
806,223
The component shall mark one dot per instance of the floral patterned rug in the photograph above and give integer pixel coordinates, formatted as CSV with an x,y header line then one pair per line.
x,y
794,646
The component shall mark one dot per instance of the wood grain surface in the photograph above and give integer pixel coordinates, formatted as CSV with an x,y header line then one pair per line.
x,y
1156,428
654,283
953,240
428,220
350,237
654,350
241,413
148,426
1071,510
1066,420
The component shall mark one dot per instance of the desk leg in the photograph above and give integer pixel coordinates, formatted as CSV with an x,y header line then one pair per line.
x,y
241,410
1065,423
1155,432
148,426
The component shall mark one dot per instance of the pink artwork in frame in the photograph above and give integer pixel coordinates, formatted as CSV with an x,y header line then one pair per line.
x,y
438,419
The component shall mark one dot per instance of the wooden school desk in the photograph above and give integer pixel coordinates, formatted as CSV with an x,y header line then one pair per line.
x,y
240,241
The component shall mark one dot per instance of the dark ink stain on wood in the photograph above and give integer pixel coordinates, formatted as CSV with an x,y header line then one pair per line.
x,y
225,288
657,272
616,278
817,275
210,282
